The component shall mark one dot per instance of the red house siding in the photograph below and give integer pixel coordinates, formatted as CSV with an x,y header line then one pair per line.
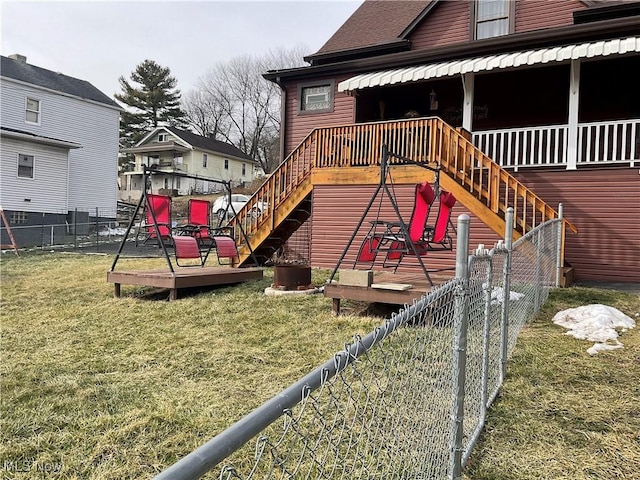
x,y
537,14
448,23
299,125
603,203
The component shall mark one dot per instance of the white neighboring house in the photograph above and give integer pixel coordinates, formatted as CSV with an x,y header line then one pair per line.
x,y
177,151
59,148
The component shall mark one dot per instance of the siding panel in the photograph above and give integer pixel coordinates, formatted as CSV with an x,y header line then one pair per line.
x,y
603,203
538,14
47,190
449,23
298,126
92,168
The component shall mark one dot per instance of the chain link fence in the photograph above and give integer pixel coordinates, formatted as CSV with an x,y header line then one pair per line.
x,y
96,230
408,400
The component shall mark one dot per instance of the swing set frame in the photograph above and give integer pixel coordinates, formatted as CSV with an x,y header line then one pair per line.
x,y
401,225
144,202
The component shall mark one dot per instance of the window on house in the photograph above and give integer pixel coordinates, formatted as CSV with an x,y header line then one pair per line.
x,y
177,182
226,164
163,137
18,217
25,166
32,111
317,98
491,18
154,160
244,169
204,160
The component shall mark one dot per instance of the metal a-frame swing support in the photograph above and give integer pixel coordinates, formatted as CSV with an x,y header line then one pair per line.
x,y
147,171
382,186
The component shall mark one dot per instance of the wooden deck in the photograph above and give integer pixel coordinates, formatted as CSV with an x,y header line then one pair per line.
x,y
385,289
186,277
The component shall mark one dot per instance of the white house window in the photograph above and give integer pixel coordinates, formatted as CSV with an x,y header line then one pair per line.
x,y
163,137
244,169
25,166
491,18
177,182
316,98
32,111
154,160
226,164
204,160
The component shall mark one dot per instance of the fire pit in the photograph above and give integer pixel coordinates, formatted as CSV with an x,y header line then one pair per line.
x,y
291,277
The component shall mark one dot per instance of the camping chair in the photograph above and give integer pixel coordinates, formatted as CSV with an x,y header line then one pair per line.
x,y
433,238
391,238
188,247
199,217
439,238
160,205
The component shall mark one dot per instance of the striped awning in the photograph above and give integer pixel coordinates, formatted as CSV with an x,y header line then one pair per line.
x,y
604,48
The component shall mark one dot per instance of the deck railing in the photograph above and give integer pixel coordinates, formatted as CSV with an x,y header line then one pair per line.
x,y
598,143
426,140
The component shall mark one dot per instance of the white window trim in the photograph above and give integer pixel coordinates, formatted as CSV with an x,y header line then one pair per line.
x,y
26,109
33,167
226,164
205,160
511,15
163,137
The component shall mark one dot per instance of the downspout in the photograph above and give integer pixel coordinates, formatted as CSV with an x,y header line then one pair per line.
x,y
283,115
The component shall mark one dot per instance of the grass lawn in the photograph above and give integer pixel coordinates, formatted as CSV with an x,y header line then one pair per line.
x,y
100,388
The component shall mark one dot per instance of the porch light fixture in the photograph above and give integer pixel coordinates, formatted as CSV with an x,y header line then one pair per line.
x,y
433,100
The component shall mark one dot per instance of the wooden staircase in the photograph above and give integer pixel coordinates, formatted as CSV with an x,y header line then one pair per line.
x,y
353,151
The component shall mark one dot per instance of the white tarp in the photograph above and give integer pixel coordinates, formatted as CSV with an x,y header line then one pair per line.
x,y
596,323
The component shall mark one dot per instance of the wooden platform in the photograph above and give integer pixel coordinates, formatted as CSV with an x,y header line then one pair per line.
x,y
182,278
394,289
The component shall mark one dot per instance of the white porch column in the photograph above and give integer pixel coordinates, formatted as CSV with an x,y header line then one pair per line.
x,y
467,102
574,97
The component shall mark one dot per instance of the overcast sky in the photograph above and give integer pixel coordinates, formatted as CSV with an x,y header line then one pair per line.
x,y
99,41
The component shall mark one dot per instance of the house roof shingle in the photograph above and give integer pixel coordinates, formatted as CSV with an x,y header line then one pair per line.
x,y
41,77
389,20
210,144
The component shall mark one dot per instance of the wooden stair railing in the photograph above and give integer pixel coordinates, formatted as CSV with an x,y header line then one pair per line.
x,y
466,170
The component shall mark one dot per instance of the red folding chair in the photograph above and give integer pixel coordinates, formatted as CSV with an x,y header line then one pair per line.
x,y
199,218
160,207
391,238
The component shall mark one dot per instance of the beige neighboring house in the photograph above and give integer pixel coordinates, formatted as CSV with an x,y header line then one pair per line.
x,y
178,152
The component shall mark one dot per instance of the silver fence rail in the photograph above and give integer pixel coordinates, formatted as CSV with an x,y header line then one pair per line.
x,y
408,400
94,230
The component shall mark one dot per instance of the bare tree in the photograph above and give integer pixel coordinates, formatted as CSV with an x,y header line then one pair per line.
x,y
234,103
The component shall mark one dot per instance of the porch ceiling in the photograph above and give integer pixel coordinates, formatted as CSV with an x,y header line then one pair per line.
x,y
618,46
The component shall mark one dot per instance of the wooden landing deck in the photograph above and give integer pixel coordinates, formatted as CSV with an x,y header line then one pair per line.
x,y
182,278
419,285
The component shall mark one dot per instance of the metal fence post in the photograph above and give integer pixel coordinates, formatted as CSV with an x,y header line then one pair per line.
x,y
559,265
97,230
461,314
506,284
538,279
75,228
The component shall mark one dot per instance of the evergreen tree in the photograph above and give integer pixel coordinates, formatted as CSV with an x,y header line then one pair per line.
x,y
153,102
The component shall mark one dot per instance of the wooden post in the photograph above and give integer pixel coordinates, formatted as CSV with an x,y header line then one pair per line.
x,y
8,227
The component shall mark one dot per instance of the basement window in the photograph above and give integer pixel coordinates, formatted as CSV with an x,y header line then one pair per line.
x,y
18,218
316,98
25,166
